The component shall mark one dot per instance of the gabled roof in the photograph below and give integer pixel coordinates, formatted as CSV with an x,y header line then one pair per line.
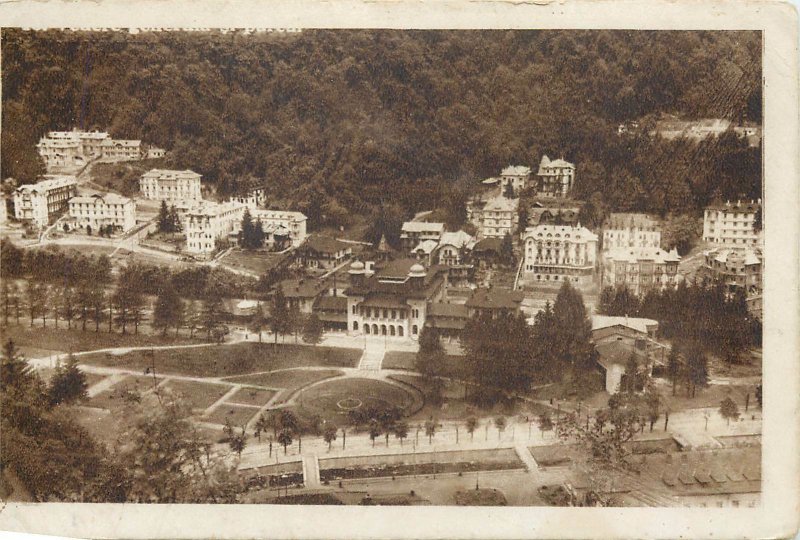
x,y
617,352
501,204
324,244
396,269
488,244
303,287
422,226
426,247
516,170
637,254
495,299
636,323
439,309
542,231
459,239
546,163
106,198
166,174
331,303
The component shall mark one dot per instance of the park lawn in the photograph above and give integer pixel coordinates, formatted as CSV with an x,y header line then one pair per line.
x,y
399,360
199,395
114,397
75,340
710,396
93,378
237,415
251,396
289,379
229,360
257,262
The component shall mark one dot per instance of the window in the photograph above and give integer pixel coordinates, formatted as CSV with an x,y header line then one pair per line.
x,y
414,330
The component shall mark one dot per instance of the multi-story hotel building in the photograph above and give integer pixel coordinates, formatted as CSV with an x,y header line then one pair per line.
x,y
556,177
41,202
641,269
71,149
392,301
121,150
498,217
170,186
737,270
557,253
414,232
623,230
732,225
95,211
277,223
208,221
517,175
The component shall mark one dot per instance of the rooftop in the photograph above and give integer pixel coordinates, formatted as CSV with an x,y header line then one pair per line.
x,y
488,244
439,309
426,247
560,231
501,204
106,198
738,206
637,254
516,170
547,163
624,220
458,239
422,226
324,244
637,323
495,299
166,174
731,256
617,352
50,182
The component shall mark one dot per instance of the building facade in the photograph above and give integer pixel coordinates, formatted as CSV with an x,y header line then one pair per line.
x,y
518,176
415,232
272,221
171,186
322,252
95,211
737,270
209,221
253,199
498,218
556,177
121,150
641,269
40,203
732,225
557,253
623,230
392,302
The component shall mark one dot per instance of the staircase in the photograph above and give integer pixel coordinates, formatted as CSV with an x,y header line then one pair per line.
x,y
311,471
371,360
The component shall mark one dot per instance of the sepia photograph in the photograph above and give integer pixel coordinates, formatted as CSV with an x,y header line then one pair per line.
x,y
384,267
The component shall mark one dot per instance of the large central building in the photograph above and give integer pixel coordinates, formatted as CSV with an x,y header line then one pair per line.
x,y
557,253
392,301
170,186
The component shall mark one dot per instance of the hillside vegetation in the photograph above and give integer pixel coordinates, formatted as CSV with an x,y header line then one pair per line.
x,y
336,122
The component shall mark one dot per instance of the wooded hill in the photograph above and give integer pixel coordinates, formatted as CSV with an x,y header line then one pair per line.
x,y
397,118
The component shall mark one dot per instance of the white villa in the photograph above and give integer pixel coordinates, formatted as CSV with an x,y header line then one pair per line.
x,y
39,203
170,186
95,211
557,253
208,221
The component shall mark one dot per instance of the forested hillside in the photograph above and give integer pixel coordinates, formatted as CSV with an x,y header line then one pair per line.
x,y
395,117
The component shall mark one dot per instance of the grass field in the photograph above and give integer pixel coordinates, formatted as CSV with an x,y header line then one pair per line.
x,y
251,396
237,415
199,395
289,379
257,262
229,360
399,360
76,340
114,397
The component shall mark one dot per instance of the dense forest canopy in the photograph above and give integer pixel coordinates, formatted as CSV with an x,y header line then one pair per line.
x,y
374,117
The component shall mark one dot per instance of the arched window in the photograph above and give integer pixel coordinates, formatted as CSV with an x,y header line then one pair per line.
x,y
383,329
400,331
414,329
391,330
366,329
355,325
375,329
